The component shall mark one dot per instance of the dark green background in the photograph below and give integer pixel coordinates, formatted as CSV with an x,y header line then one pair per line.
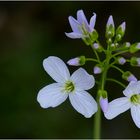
x,y
32,31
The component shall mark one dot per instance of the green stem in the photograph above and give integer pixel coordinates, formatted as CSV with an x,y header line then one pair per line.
x,y
121,52
116,81
91,59
97,123
96,54
97,119
120,70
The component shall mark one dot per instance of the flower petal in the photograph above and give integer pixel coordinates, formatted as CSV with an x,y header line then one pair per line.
x,y
117,107
84,103
132,88
82,79
82,20
75,25
74,35
51,96
135,113
92,22
56,68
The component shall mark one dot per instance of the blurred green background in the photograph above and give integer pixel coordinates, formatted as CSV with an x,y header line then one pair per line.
x,y
32,31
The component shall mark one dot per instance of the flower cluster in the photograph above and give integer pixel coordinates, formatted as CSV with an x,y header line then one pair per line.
x,y
75,86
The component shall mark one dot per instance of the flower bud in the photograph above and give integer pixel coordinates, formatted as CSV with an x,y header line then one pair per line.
x,y
97,69
126,44
120,32
116,44
78,61
103,100
97,47
128,76
134,47
134,61
109,41
94,35
104,104
112,45
110,29
121,60
132,78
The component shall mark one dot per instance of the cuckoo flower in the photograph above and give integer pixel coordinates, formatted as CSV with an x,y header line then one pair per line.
x,y
80,27
73,86
130,101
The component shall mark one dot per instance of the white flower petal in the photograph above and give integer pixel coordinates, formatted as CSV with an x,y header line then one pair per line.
x,y
84,103
117,107
51,96
74,35
82,79
75,25
92,22
132,88
56,68
135,113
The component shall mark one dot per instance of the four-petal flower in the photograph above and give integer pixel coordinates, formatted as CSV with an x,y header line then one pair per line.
x,y
131,101
73,86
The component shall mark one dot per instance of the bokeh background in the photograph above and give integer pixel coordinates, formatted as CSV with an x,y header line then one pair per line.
x,y
32,31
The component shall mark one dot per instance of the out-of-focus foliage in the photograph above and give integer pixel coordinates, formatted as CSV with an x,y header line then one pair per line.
x,y
32,31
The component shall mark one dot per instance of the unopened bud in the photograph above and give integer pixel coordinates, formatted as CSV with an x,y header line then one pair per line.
x,y
109,41
134,47
97,47
132,78
94,36
103,100
128,76
116,44
78,61
127,44
110,29
118,37
120,31
113,45
97,70
110,21
104,104
121,60
134,61
123,26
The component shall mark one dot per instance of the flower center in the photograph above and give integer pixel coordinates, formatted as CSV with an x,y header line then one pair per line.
x,y
135,99
69,87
